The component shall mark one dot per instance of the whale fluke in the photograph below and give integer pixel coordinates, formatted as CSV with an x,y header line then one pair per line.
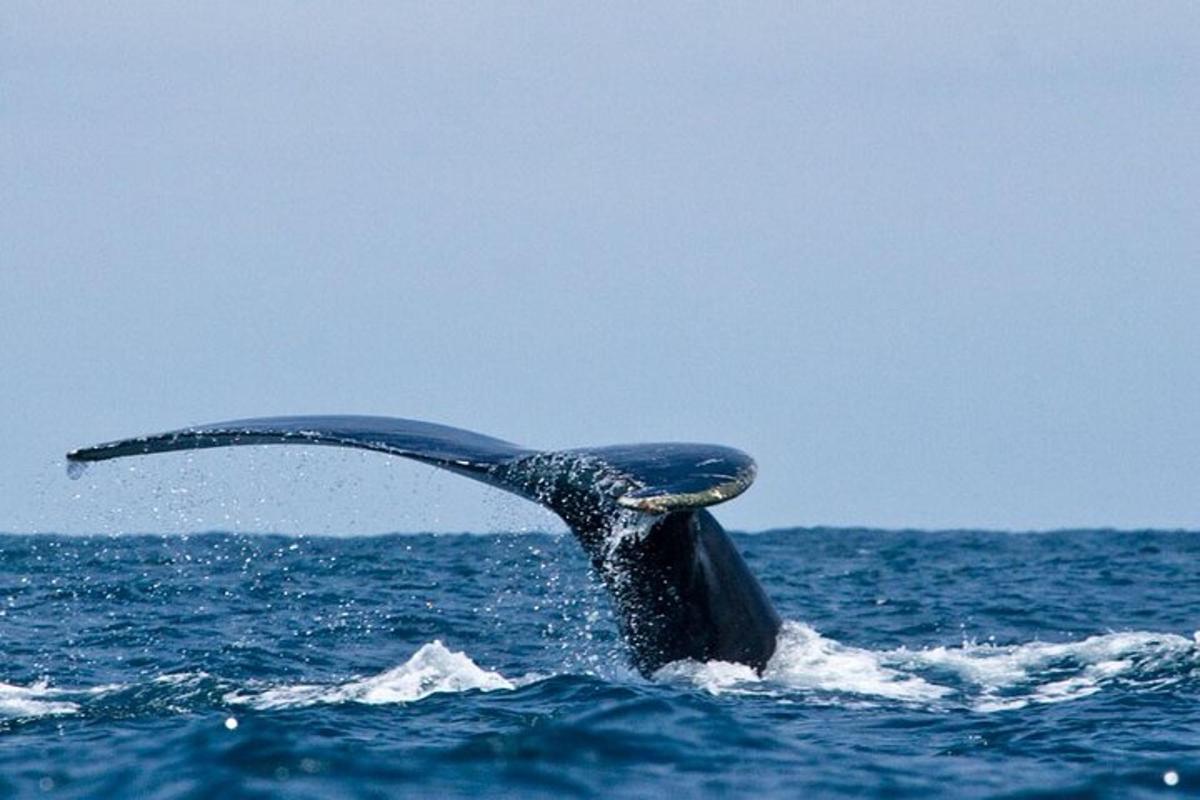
x,y
679,585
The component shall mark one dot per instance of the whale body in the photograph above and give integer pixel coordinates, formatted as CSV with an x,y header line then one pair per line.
x,y
679,586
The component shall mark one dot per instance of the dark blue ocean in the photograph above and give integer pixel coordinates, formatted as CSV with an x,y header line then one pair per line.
x,y
913,665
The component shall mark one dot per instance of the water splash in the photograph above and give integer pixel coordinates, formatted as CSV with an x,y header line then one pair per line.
x,y
807,661
806,666
1007,677
31,702
628,527
984,678
432,669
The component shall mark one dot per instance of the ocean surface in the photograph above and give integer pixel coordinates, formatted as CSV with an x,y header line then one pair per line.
x,y
912,664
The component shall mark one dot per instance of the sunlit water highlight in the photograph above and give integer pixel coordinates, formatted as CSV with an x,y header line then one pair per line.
x,y
913,664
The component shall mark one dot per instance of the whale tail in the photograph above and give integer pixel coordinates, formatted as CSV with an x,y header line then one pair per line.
x,y
680,587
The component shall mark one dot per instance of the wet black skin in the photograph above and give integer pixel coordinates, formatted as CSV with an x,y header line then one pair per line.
x,y
684,592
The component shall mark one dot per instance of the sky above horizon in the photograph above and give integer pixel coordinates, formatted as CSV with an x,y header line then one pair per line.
x,y
934,269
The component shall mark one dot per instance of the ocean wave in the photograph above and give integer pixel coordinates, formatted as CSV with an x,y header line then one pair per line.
x,y
1012,676
984,677
806,665
31,702
433,669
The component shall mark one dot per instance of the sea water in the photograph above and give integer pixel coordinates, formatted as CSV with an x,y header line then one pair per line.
x,y
952,664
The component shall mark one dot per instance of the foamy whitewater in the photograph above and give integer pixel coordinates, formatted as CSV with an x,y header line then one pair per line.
x,y
917,664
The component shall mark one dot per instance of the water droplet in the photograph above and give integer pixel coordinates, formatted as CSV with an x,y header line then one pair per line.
x,y
231,723
1171,778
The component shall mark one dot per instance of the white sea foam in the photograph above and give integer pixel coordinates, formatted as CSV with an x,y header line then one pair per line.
x,y
715,677
1013,676
806,660
432,669
983,677
26,702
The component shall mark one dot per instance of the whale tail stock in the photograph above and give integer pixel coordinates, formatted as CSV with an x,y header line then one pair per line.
x,y
680,587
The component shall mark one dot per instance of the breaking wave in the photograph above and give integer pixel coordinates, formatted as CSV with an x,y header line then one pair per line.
x,y
983,677
433,669
806,666
28,702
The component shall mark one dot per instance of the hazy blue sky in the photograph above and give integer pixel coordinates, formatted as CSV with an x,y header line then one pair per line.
x,y
932,265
